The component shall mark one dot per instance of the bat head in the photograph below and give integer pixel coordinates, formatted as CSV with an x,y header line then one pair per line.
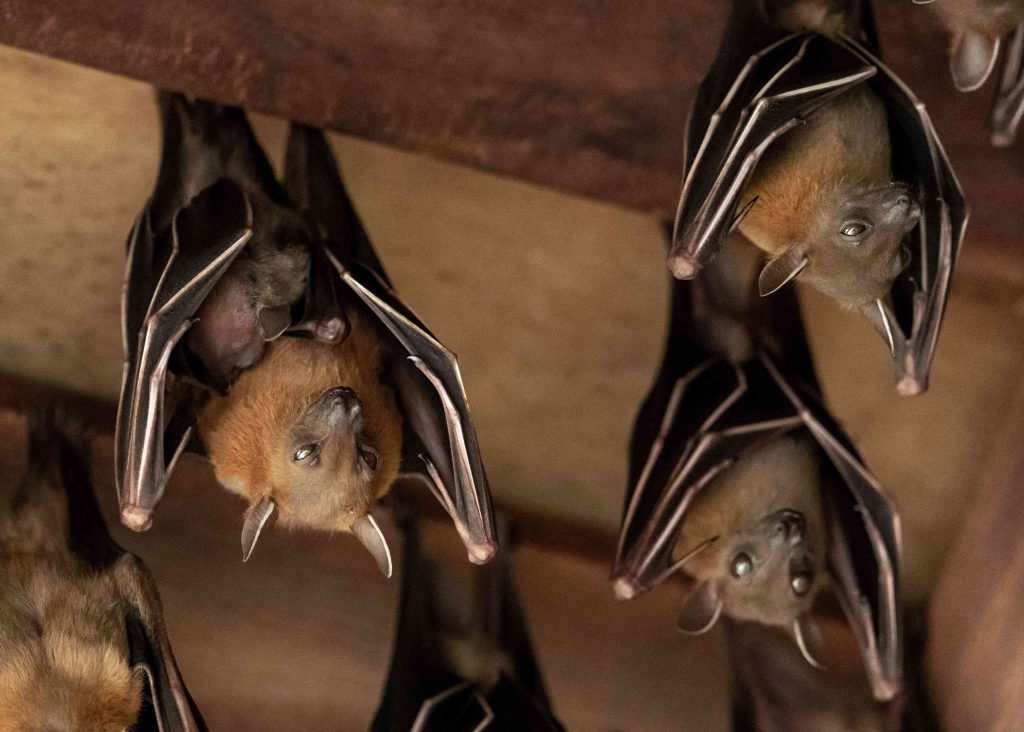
x,y
763,557
854,247
310,435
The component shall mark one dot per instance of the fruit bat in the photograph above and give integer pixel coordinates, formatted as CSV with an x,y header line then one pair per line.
x,y
462,660
795,137
260,329
978,30
83,644
733,435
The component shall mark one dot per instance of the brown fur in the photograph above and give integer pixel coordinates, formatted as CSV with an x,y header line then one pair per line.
x,y
782,474
63,647
843,148
248,433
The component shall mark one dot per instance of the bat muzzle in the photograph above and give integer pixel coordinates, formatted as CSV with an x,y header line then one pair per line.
x,y
339,407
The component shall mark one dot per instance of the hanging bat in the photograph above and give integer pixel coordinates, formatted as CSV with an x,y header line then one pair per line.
x,y
978,29
83,644
462,660
803,140
259,327
740,478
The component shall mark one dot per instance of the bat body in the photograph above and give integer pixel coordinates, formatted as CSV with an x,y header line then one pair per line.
x,y
978,30
82,643
801,139
826,210
462,660
763,531
260,329
743,484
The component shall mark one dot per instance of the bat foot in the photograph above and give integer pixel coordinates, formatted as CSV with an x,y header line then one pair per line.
x,y
909,386
624,588
482,553
136,518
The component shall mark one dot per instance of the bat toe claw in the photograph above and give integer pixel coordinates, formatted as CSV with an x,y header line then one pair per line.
x,y
136,518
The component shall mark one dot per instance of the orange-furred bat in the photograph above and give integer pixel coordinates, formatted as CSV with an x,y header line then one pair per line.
x,y
261,329
806,143
83,646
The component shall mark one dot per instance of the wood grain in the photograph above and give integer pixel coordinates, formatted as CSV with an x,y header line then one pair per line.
x,y
586,97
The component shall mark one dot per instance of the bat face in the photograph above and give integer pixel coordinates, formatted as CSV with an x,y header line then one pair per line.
x,y
855,249
766,560
312,427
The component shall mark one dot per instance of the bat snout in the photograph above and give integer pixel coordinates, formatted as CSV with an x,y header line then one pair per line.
x,y
342,407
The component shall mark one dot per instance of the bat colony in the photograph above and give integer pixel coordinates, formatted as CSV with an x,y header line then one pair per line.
x,y
261,331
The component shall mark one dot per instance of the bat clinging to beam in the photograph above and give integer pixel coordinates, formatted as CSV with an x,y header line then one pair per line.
x,y
82,640
803,140
979,29
741,481
259,327
462,659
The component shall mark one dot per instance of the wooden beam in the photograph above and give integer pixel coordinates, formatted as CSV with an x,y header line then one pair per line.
x,y
586,97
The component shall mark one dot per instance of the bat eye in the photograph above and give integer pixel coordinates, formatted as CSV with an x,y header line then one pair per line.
x,y
853,229
741,565
801,584
369,456
304,453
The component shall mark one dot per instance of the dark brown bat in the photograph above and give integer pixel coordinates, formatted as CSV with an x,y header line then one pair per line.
x,y
978,30
462,659
264,316
740,478
83,646
795,137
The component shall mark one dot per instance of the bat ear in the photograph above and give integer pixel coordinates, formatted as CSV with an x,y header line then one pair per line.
x,y
274,321
808,639
781,270
972,59
700,610
255,520
369,534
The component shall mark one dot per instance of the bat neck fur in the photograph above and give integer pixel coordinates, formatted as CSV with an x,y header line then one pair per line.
x,y
247,433
63,649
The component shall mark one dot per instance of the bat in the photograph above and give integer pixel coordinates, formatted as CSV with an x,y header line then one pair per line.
x,y
795,138
462,659
83,645
978,30
260,329
743,400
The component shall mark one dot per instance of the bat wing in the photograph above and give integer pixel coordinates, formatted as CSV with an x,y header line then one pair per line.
x,y
428,378
170,708
752,96
910,318
1009,102
864,545
168,276
713,413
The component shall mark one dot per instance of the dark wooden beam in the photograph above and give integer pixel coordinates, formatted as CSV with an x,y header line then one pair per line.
x,y
589,97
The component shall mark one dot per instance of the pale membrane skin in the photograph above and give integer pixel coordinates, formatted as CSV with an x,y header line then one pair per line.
x,y
782,474
249,434
63,644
